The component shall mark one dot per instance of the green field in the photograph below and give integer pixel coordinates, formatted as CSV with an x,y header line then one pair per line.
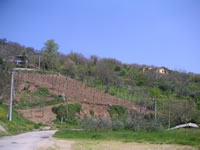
x,y
189,137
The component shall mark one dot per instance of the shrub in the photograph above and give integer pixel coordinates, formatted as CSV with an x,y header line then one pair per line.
x,y
140,122
1,101
43,91
95,124
73,113
117,112
117,125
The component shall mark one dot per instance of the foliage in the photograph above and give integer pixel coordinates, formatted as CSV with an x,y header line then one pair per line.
x,y
69,117
41,97
139,122
155,93
117,112
95,124
49,55
117,124
4,79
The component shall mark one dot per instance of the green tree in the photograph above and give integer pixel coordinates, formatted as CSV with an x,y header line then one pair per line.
x,y
155,93
50,55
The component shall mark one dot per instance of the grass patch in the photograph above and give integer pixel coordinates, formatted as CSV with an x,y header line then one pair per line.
x,y
184,136
17,125
39,98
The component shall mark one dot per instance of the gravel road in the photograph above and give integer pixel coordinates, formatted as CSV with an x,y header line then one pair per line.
x,y
25,141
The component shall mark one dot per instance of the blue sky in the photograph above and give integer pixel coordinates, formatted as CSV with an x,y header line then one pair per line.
x,y
151,32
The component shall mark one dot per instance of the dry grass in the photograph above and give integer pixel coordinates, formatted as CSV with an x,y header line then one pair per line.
x,y
117,145
54,144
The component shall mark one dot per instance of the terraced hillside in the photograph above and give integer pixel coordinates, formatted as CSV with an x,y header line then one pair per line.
x,y
91,99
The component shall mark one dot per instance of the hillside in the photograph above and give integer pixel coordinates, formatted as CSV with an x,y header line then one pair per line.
x,y
143,86
53,88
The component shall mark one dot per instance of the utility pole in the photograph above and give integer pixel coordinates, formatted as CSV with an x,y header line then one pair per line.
x,y
39,60
66,100
11,96
155,110
67,110
169,115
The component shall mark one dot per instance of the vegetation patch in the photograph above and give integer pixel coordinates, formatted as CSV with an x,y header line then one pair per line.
x,y
117,112
68,114
183,136
18,123
39,98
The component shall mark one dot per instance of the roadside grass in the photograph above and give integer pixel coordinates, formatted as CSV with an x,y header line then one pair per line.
x,y
2,134
189,137
17,125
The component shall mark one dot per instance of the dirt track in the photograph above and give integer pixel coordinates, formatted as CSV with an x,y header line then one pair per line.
x,y
25,141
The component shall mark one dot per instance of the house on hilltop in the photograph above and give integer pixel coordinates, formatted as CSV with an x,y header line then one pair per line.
x,y
19,60
161,70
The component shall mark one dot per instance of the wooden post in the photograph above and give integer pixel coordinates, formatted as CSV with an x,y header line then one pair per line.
x,y
169,115
155,110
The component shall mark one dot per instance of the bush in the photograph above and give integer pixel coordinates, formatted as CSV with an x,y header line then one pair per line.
x,y
117,112
139,122
44,91
95,124
1,101
73,113
117,125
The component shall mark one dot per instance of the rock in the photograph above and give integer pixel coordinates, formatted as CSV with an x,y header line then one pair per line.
x,y
45,128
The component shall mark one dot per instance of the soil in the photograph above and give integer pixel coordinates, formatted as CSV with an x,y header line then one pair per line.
x,y
116,145
54,144
39,115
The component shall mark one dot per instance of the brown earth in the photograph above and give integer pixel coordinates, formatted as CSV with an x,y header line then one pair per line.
x,y
39,115
57,144
46,116
117,145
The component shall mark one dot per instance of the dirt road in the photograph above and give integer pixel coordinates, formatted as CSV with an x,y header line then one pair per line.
x,y
26,141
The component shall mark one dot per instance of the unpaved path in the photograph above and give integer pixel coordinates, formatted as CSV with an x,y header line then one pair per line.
x,y
32,141
116,145
55,144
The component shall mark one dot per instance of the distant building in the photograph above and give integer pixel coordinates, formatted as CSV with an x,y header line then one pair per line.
x,y
19,60
161,70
